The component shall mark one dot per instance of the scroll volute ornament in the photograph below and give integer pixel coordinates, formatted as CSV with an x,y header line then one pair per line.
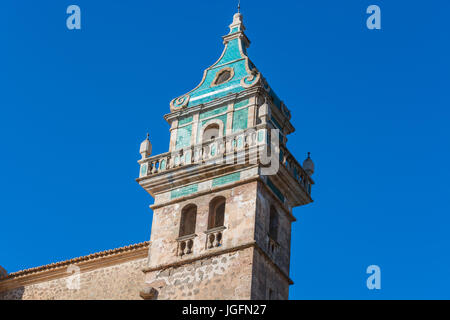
x,y
180,102
251,80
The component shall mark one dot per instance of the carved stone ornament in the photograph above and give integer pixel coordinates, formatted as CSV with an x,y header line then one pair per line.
x,y
180,102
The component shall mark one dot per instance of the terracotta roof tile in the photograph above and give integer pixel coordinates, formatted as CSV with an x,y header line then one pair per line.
x,y
95,255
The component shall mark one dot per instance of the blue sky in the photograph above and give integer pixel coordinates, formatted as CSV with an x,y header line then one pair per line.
x,y
372,106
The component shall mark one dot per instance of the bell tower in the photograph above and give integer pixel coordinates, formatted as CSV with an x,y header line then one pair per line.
x,y
225,190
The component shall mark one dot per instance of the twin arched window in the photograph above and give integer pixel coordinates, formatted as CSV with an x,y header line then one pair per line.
x,y
189,216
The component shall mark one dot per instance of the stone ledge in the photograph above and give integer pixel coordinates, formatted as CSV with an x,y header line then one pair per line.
x,y
200,193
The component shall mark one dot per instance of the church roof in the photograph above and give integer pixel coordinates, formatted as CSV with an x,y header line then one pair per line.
x,y
240,73
65,263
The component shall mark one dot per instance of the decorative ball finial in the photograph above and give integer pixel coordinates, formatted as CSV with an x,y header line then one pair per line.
x,y
146,148
308,165
237,23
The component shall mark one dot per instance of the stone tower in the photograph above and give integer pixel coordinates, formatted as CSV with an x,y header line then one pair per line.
x,y
224,192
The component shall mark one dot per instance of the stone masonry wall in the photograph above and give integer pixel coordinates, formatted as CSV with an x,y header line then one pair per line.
x,y
120,281
239,222
215,275
223,277
282,252
267,278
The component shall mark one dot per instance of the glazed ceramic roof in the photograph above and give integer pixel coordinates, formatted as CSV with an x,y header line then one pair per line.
x,y
234,58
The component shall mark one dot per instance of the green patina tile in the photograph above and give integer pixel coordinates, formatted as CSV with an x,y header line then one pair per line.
x,y
241,103
261,134
184,121
240,118
240,142
183,191
183,137
226,179
219,94
232,52
162,166
275,190
213,112
144,169
222,118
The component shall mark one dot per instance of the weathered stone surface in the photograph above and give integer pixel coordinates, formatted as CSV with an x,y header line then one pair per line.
x,y
236,269
203,281
123,281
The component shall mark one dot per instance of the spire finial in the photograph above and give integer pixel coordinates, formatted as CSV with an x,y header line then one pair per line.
x,y
148,136
309,154
239,6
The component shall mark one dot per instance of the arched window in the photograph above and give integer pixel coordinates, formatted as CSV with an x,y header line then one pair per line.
x,y
216,213
188,219
211,132
273,224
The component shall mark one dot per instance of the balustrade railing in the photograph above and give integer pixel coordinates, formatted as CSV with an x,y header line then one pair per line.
x,y
296,170
219,151
214,237
185,245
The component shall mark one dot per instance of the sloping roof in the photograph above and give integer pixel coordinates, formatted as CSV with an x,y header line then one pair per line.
x,y
91,256
244,74
234,58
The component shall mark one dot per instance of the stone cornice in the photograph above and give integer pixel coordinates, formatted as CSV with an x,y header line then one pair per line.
x,y
200,193
258,89
85,263
220,188
212,104
236,35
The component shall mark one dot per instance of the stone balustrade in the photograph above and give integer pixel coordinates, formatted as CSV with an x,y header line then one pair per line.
x,y
185,245
296,170
214,237
219,151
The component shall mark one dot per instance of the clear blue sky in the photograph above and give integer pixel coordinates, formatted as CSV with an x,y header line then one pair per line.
x,y
371,106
